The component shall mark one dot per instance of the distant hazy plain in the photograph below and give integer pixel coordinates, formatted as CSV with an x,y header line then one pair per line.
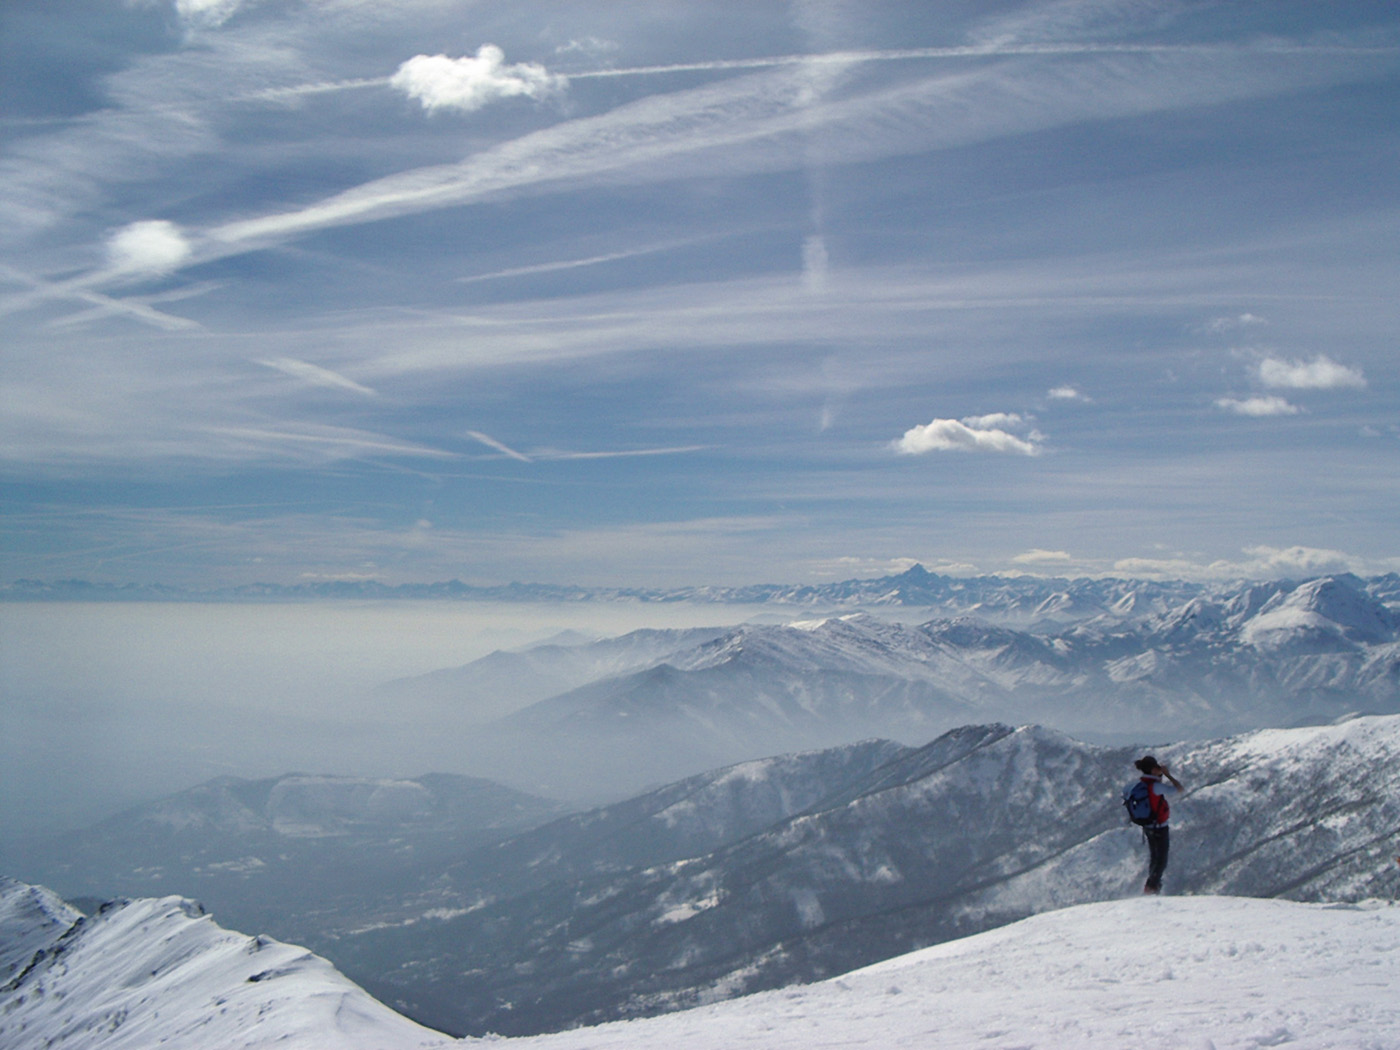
x,y
103,705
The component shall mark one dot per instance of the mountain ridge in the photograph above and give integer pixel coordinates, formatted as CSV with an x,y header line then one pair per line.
x,y
980,827
1265,655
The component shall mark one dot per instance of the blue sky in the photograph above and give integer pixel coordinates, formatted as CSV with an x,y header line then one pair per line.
x,y
686,293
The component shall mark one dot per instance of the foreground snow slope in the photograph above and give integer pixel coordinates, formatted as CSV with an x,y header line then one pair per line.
x,y
1192,973
1222,973
160,973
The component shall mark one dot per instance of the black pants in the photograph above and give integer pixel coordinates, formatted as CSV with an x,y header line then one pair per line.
x,y
1158,842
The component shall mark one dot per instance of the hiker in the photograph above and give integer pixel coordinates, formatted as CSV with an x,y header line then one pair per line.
x,y
1150,811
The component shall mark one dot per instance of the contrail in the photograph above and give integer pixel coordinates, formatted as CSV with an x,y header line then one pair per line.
x,y
848,58
592,260
851,57
322,88
490,442
965,51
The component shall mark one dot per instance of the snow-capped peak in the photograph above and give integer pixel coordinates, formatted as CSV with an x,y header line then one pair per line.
x,y
1331,606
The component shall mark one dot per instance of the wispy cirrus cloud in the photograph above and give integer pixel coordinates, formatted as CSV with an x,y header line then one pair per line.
x,y
761,122
990,433
573,264
316,375
548,454
1234,323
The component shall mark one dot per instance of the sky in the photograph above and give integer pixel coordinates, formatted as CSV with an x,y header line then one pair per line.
x,y
697,292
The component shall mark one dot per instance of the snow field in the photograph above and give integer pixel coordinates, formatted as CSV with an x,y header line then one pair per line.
x,y
1190,973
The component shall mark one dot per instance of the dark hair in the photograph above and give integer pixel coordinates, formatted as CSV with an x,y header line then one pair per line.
x,y
1147,764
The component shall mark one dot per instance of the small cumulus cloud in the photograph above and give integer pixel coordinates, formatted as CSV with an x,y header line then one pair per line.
x,y
1066,393
1321,373
1257,406
469,83
989,433
1037,556
153,246
591,47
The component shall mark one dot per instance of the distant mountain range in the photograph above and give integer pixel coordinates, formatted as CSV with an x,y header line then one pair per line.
x,y
753,876
994,597
603,719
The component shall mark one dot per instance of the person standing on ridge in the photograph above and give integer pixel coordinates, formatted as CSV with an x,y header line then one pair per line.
x,y
1150,811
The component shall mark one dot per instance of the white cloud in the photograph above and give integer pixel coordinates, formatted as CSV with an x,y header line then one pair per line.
x,y
590,47
1321,373
1258,406
994,419
206,13
153,246
1259,562
973,434
1036,556
1232,324
1066,393
468,84
1296,560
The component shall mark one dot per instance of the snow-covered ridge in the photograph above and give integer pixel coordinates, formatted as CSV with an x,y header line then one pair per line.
x,y
32,918
786,870
983,826
1196,973
159,972
1192,972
